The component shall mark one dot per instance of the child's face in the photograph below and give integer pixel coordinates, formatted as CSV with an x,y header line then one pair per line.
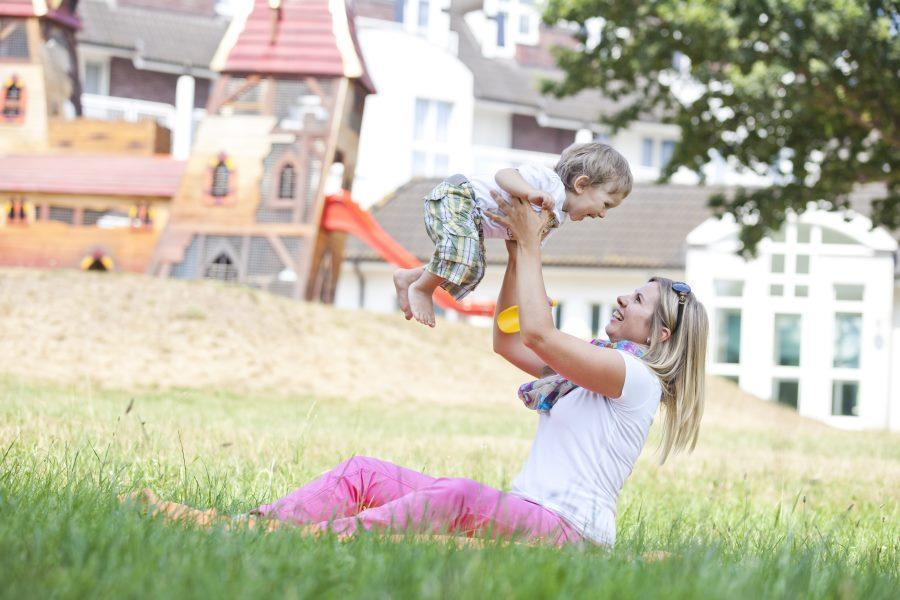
x,y
592,201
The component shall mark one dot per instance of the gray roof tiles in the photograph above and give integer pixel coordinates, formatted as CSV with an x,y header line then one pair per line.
x,y
159,35
648,230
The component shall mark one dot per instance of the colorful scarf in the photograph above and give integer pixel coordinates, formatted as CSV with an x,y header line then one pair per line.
x,y
542,394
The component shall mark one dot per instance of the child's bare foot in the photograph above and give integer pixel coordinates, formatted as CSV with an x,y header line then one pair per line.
x,y
403,278
421,304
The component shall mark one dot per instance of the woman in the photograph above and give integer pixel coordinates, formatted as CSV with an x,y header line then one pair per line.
x,y
597,405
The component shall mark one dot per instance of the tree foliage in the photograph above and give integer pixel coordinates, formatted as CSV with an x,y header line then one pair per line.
x,y
804,90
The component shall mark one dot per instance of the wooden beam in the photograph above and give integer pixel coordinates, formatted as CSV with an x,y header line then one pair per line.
x,y
251,81
282,251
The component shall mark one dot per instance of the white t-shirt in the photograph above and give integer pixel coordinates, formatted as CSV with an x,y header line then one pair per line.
x,y
585,449
540,178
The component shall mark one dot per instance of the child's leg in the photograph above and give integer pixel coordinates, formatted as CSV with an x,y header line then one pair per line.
x,y
462,506
420,296
354,485
403,278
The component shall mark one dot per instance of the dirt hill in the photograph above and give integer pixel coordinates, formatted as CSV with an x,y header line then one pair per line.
x,y
131,331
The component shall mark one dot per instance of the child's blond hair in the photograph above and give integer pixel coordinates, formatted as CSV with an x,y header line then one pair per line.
x,y
599,162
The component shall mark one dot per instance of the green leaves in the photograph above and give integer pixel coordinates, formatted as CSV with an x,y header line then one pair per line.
x,y
803,90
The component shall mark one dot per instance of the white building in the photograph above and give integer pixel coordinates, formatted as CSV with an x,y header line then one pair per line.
x,y
809,321
458,92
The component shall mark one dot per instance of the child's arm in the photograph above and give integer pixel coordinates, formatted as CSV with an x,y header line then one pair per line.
x,y
512,182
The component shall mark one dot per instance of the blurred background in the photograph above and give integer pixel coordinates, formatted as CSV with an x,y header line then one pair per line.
x,y
201,139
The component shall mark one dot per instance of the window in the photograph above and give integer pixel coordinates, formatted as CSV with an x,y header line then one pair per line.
x,y
802,291
847,340
832,236
524,24
12,98
787,340
141,216
220,180
423,14
441,164
802,264
849,292
222,267
647,152
13,38
844,398
399,10
804,232
780,235
728,342
287,183
97,261
95,77
776,289
778,263
786,391
729,288
431,133
501,29
665,152
596,311
421,113
443,120
17,211
559,315
419,168
62,214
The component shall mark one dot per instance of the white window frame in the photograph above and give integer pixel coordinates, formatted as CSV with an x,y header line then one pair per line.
x,y
86,56
429,143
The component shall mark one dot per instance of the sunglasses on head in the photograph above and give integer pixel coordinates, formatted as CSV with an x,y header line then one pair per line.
x,y
682,289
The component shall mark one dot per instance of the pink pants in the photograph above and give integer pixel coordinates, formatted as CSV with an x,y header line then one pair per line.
x,y
371,493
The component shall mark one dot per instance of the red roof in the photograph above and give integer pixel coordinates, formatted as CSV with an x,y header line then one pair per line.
x,y
91,174
26,8
308,40
16,8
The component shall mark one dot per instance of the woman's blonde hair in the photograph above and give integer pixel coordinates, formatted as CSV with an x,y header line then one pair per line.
x,y
599,162
680,364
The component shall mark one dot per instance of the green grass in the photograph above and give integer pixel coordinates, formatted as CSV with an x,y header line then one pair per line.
x,y
755,512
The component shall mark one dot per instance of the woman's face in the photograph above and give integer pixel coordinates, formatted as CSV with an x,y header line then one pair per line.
x,y
633,314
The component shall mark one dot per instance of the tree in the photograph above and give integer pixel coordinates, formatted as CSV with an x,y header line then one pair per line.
x,y
806,90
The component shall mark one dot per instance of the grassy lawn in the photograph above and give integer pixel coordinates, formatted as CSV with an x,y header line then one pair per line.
x,y
758,511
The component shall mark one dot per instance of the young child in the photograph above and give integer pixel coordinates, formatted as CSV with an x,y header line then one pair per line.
x,y
588,180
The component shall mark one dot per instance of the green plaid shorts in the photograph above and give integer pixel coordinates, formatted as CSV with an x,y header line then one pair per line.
x,y
453,222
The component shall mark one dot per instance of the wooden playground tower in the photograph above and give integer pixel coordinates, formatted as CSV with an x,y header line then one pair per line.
x,y
285,110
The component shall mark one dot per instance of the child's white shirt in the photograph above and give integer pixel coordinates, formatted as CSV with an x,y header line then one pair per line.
x,y
538,177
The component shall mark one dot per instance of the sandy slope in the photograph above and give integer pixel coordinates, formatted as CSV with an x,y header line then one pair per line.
x,y
131,331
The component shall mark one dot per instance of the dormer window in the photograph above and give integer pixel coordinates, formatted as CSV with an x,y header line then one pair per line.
x,y
12,99
287,183
220,186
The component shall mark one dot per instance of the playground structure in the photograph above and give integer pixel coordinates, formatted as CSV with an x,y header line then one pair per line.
x,y
258,200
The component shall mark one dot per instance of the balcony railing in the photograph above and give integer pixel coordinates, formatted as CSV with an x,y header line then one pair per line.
x,y
111,108
487,160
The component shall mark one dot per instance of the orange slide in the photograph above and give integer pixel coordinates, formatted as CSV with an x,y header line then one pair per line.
x,y
343,214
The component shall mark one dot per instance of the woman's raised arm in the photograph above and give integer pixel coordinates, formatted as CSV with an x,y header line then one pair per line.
x,y
509,345
598,369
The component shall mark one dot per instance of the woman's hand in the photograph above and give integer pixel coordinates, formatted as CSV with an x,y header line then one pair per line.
x,y
524,224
